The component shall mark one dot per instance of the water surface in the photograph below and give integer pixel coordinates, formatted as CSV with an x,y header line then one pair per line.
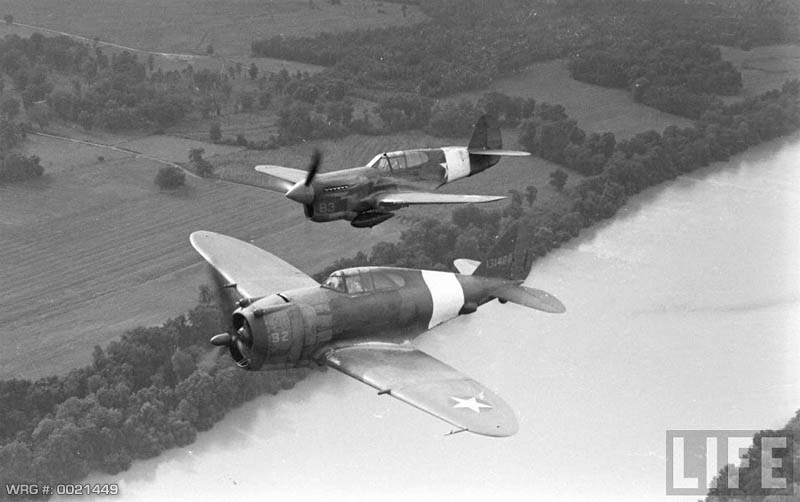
x,y
683,313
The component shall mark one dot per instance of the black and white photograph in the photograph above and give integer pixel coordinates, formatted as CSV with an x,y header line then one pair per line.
x,y
400,250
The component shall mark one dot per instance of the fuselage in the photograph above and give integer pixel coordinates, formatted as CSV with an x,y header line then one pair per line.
x,y
373,303
347,193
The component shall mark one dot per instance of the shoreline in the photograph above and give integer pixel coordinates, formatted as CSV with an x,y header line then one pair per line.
x,y
274,421
639,201
631,207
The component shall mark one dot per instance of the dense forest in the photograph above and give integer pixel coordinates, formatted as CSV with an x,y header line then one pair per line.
x,y
663,56
13,165
468,43
69,80
109,92
153,389
750,483
156,388
677,76
614,170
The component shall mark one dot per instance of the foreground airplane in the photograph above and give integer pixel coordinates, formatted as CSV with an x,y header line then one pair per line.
x,y
361,320
366,196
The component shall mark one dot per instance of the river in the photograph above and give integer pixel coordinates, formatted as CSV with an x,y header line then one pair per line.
x,y
682,313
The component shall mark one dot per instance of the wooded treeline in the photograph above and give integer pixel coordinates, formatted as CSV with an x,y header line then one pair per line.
x,y
677,76
156,387
468,43
614,170
153,389
751,482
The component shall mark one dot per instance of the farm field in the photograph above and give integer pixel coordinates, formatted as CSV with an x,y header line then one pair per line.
x,y
97,249
188,26
93,249
255,126
178,62
356,150
597,109
764,68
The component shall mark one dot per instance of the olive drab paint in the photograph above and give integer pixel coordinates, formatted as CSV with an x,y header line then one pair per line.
x,y
367,196
361,321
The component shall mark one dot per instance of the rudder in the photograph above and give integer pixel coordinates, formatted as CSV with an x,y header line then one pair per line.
x,y
509,258
486,135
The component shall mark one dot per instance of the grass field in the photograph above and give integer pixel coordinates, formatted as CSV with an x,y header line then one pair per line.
x,y
597,109
171,62
764,68
94,248
188,26
357,150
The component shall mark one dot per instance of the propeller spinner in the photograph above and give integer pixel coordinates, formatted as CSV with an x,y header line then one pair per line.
x,y
238,338
238,344
303,192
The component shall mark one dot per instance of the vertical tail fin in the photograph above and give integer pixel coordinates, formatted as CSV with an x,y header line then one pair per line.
x,y
486,135
511,257
486,146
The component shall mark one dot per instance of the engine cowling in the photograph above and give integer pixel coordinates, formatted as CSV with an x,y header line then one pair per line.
x,y
277,335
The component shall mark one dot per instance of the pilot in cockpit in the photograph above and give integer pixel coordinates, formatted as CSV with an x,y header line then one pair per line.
x,y
335,282
354,284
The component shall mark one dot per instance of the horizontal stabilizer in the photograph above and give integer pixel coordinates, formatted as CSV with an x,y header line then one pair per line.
x,y
506,153
465,266
530,297
281,179
409,198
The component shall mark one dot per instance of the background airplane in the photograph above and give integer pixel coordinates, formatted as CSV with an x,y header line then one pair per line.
x,y
366,196
360,321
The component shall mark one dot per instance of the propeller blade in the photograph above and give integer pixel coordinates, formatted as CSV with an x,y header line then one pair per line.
x,y
304,192
316,159
226,296
221,340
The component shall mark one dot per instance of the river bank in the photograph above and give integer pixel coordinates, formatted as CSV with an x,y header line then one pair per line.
x,y
682,314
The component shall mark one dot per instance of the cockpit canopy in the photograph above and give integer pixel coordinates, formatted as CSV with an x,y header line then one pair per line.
x,y
363,280
393,161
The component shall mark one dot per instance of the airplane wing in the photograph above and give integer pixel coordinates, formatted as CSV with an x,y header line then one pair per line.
x,y
281,179
410,198
505,153
255,272
412,376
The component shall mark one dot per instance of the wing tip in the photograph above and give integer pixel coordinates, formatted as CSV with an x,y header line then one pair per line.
x,y
499,431
195,236
264,168
504,425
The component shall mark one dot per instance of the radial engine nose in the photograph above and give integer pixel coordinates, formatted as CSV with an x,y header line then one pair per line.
x,y
239,341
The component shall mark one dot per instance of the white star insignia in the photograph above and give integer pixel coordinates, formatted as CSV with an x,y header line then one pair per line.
x,y
471,404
